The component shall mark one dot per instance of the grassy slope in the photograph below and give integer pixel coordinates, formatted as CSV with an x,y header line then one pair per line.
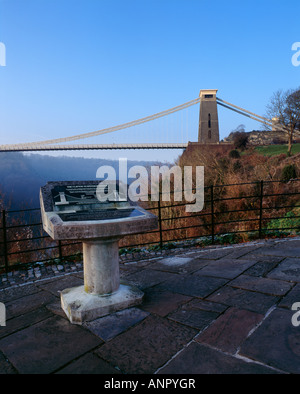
x,y
272,150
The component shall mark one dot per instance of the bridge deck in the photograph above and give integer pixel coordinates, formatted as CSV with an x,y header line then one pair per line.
x,y
28,148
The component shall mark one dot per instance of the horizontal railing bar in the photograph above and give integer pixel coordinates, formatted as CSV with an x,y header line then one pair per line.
x,y
237,221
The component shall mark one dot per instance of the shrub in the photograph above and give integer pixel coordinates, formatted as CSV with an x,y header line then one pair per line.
x,y
237,166
290,223
288,172
240,140
234,154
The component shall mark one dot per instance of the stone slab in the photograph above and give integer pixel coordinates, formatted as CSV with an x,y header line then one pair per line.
x,y
14,293
199,359
89,364
263,285
180,265
289,248
262,268
23,321
276,342
47,346
205,305
194,285
215,254
147,346
28,303
193,317
58,285
292,297
256,302
226,268
148,278
162,302
238,251
229,330
289,269
80,306
108,327
5,366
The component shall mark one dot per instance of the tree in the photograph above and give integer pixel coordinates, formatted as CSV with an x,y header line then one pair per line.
x,y
284,110
240,140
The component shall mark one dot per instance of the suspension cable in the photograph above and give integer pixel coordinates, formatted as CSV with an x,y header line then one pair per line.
x,y
114,128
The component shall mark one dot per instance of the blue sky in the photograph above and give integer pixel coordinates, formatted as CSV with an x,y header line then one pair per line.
x,y
75,66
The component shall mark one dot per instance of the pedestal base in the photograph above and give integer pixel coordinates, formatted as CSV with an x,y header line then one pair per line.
x,y
80,306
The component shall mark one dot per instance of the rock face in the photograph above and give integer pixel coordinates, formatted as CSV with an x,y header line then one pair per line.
x,y
262,137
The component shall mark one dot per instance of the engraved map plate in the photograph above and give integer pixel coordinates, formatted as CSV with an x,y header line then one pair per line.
x,y
103,214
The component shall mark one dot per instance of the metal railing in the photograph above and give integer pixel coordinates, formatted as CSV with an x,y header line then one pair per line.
x,y
231,213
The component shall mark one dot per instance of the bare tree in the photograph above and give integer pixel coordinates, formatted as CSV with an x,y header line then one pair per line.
x,y
284,110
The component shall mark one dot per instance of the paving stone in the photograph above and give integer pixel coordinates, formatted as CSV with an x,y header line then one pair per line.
x,y
263,285
25,320
13,293
147,346
162,302
262,268
55,307
5,366
214,254
276,342
193,317
148,278
289,269
89,364
292,297
46,346
286,249
226,268
109,326
180,265
199,359
207,305
244,299
241,251
28,303
125,271
65,282
230,329
194,285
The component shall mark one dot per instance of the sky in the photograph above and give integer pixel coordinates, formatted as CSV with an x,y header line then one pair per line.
x,y
75,66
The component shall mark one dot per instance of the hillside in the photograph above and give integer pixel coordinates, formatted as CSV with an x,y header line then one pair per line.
x,y
251,165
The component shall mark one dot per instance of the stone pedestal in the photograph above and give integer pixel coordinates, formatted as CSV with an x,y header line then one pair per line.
x,y
102,292
72,211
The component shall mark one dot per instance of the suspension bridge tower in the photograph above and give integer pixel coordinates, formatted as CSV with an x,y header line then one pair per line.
x,y
208,117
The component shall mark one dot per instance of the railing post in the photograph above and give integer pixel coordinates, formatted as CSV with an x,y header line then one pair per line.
x,y
261,208
4,240
159,222
212,214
